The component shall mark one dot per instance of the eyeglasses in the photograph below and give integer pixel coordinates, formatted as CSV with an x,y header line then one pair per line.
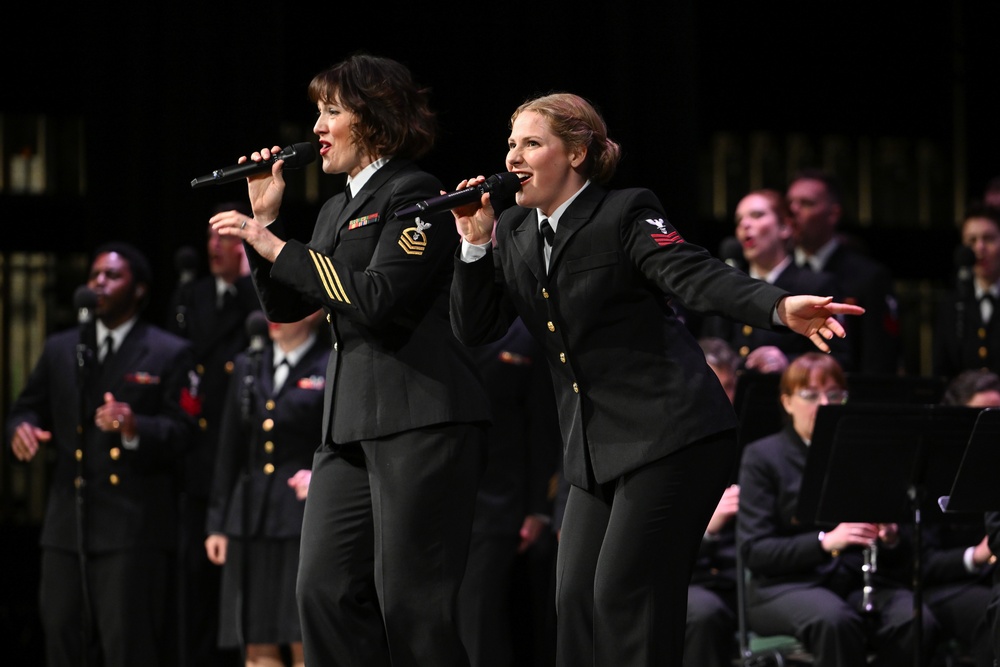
x,y
833,397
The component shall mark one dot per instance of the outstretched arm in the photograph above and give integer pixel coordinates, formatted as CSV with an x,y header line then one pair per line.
x,y
815,317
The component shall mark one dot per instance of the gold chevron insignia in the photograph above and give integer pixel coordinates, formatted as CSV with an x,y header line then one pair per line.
x,y
328,277
413,241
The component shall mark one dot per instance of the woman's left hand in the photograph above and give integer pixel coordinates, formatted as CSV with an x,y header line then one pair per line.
x,y
234,223
815,317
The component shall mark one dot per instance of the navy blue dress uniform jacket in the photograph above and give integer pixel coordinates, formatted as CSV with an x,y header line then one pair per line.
x,y
130,495
217,335
280,439
873,339
395,365
524,444
631,383
962,340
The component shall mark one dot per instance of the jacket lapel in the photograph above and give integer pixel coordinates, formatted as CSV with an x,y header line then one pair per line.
x,y
528,242
350,208
126,359
579,213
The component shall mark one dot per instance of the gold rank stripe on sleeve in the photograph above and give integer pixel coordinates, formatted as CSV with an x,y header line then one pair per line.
x,y
413,240
328,276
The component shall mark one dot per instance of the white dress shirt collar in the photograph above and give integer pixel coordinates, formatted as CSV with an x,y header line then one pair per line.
x,y
358,182
556,214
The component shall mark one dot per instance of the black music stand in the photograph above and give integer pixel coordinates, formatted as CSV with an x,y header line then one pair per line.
x,y
896,389
884,464
974,489
757,405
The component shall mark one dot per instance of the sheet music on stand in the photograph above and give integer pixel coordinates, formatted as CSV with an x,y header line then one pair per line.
x,y
975,488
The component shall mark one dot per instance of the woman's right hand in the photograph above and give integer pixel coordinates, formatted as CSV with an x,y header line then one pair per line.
x,y
266,189
474,222
850,534
215,547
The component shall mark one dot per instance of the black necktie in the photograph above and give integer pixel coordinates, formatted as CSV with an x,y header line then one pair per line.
x,y
547,236
347,193
107,350
545,229
225,298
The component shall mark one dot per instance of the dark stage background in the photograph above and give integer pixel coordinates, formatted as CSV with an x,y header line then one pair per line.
x,y
172,93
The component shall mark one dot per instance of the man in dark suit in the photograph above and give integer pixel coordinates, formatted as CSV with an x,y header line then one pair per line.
x,y
816,203
967,326
117,431
211,312
511,559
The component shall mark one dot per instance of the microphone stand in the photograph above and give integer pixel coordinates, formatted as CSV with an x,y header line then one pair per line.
x,y
84,374
964,258
248,395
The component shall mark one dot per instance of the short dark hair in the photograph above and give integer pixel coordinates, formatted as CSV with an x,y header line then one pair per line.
x,y
980,210
393,113
137,262
825,177
968,383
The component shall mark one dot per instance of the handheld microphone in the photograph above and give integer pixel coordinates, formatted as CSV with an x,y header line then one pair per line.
x,y
296,155
498,185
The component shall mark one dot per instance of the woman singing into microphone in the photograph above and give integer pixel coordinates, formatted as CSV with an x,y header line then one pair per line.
x,y
389,513
649,434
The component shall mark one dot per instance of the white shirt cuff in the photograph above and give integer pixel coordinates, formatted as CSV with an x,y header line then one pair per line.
x,y
471,253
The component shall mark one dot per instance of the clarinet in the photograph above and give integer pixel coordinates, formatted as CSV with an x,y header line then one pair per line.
x,y
868,569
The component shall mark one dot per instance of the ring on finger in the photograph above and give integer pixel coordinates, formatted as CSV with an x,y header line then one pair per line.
x,y
243,226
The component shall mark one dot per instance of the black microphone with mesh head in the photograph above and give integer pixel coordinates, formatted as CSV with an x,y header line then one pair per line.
x,y
85,302
296,155
731,252
186,263
498,185
257,331
965,259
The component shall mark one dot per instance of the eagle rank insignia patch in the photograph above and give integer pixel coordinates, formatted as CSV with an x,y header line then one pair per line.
x,y
413,240
663,236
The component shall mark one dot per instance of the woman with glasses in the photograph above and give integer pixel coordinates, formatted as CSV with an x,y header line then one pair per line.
x,y
806,579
